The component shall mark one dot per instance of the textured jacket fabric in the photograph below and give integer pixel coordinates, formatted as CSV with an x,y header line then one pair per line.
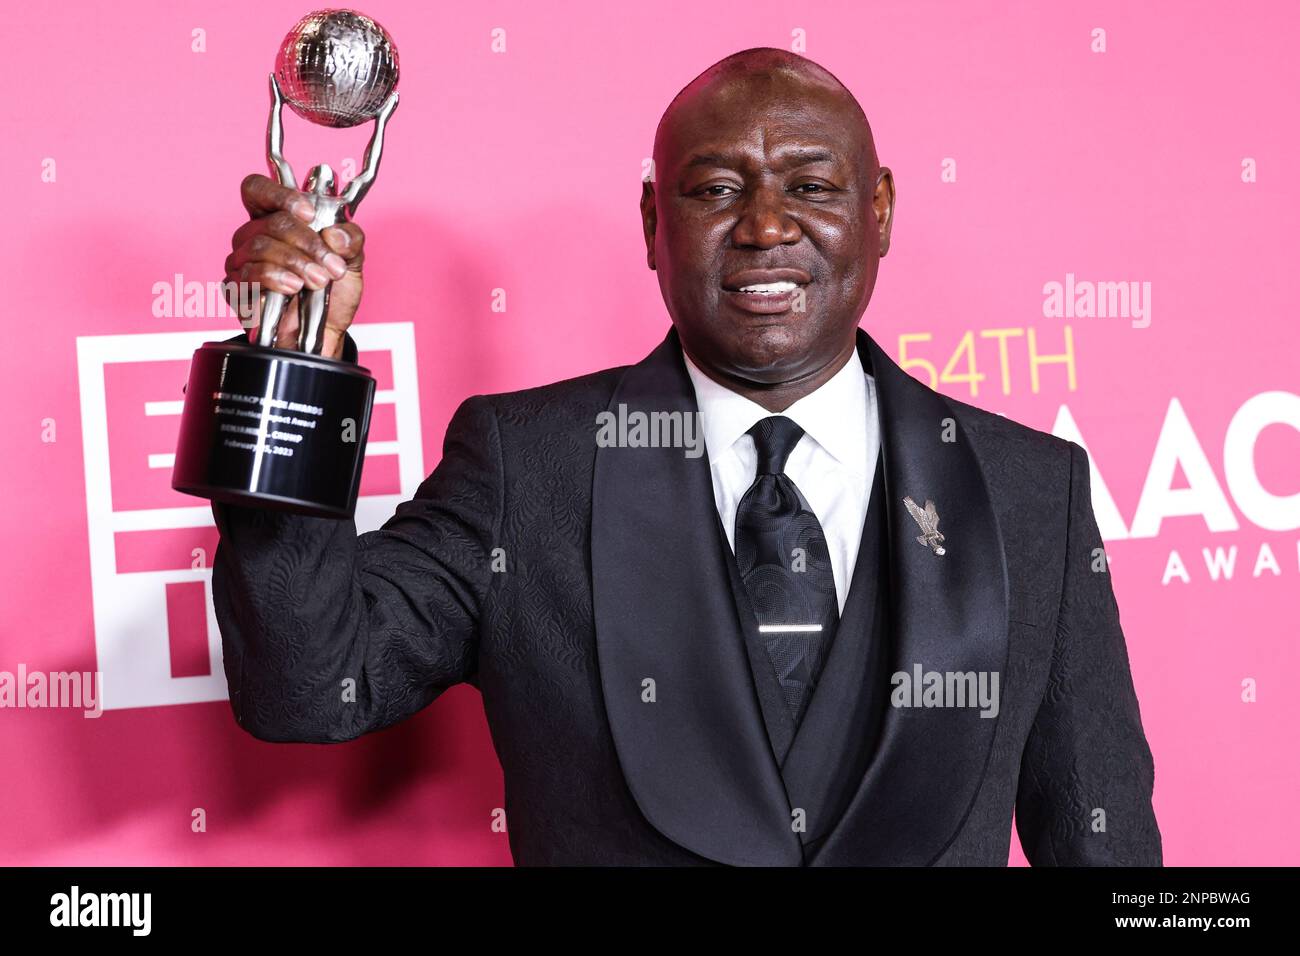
x,y
583,588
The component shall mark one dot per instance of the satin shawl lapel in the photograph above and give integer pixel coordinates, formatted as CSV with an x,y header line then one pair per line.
x,y
948,615
692,744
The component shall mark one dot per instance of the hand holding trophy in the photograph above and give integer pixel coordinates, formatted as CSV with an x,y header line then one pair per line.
x,y
285,428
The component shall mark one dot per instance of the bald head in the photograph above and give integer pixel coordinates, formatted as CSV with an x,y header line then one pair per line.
x,y
773,74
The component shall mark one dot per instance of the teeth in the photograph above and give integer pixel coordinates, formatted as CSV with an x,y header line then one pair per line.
x,y
770,288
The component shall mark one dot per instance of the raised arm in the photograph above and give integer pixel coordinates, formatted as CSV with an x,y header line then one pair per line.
x,y
1086,776
359,186
328,635
280,169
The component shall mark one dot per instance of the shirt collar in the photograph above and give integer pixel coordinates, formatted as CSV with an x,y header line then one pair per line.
x,y
834,416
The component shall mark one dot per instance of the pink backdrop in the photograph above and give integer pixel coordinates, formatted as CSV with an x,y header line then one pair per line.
x,y
1115,142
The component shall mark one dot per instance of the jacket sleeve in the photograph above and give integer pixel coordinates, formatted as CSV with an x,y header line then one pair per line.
x,y
328,635
1087,774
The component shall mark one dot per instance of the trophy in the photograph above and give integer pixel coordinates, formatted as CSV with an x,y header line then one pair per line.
x,y
285,428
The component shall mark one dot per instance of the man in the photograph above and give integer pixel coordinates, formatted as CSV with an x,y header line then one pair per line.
x,y
727,658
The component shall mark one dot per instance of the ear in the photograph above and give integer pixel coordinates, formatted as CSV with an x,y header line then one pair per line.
x,y
649,220
882,204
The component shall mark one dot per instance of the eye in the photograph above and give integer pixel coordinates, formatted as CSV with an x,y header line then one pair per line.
x,y
710,190
818,187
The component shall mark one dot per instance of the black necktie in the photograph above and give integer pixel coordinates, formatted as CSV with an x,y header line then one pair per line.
x,y
783,560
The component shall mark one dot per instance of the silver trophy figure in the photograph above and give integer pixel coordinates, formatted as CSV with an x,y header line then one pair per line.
x,y
285,428
337,64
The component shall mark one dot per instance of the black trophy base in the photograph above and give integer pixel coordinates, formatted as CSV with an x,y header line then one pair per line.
x,y
275,429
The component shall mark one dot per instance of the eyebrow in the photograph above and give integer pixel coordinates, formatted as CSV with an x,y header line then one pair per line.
x,y
798,157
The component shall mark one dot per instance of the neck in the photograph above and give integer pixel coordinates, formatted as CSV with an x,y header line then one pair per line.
x,y
778,396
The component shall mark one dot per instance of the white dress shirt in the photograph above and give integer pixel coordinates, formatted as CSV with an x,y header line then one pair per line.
x,y
832,465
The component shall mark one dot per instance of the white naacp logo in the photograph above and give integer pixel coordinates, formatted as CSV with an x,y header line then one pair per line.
x,y
130,611
1178,446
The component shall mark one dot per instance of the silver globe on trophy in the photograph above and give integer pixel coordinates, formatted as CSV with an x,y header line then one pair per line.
x,y
285,428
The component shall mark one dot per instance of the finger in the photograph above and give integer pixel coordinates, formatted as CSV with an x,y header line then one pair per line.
x,y
274,253
285,228
286,333
345,296
262,195
338,319
268,277
348,241
287,329
244,300
332,343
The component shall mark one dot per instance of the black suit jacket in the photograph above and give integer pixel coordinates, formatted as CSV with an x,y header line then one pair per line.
x,y
560,577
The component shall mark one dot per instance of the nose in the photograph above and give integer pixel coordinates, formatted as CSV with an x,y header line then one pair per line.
x,y
764,220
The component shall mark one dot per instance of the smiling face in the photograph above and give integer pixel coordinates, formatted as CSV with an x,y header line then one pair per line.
x,y
767,221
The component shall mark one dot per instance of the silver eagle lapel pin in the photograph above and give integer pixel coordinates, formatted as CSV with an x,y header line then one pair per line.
x,y
928,519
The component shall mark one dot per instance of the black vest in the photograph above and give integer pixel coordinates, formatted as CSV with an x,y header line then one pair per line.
x,y
823,761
